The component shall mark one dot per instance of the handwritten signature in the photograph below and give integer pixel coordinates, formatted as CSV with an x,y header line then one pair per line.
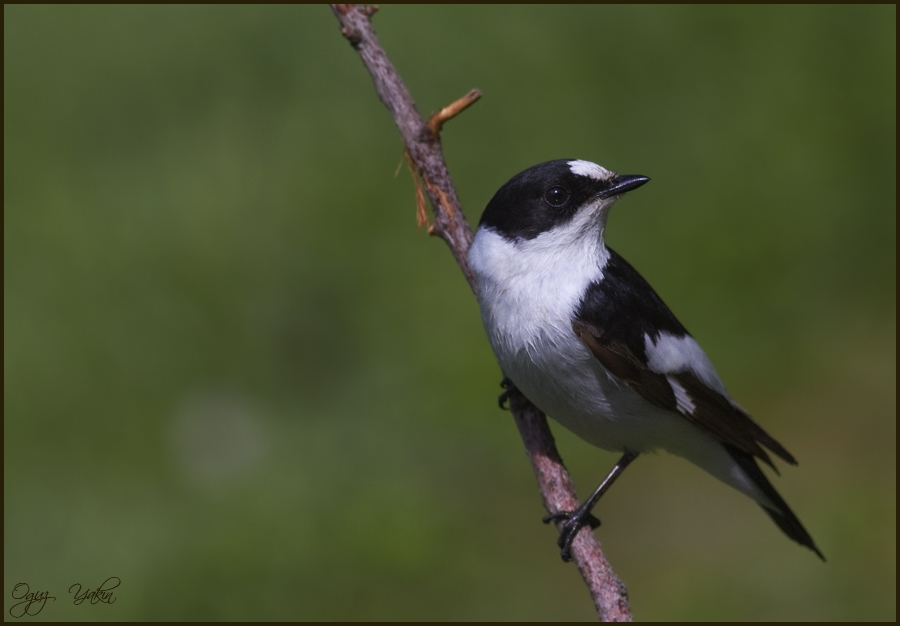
x,y
28,598
100,594
33,602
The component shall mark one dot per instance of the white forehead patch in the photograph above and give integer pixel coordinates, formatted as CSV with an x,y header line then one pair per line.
x,y
592,170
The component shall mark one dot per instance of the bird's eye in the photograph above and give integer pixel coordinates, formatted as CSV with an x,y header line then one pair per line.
x,y
556,196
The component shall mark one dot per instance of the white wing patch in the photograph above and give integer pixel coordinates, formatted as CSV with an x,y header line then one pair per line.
x,y
683,401
671,355
591,170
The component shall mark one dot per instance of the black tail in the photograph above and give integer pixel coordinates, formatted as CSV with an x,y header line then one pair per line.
x,y
784,517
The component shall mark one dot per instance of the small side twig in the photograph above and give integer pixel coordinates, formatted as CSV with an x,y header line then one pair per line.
x,y
423,153
436,123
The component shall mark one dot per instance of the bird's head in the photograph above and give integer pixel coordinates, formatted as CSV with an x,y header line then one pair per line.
x,y
565,198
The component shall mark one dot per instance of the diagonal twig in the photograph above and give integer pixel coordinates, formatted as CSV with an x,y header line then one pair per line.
x,y
424,155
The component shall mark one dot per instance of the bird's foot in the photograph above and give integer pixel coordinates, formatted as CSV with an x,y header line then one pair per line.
x,y
509,390
574,520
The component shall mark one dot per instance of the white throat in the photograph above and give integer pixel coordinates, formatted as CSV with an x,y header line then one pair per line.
x,y
528,289
562,260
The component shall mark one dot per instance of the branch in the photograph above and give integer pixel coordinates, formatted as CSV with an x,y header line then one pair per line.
x,y
425,157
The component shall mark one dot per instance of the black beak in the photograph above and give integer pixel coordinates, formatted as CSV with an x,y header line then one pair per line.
x,y
623,184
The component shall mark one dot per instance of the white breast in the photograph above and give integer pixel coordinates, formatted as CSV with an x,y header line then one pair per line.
x,y
528,291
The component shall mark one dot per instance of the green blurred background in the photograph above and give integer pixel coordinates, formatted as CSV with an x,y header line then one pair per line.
x,y
238,377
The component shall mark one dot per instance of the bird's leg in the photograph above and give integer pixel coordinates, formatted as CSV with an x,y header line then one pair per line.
x,y
509,390
574,520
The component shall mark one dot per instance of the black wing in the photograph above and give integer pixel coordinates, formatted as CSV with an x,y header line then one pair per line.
x,y
613,319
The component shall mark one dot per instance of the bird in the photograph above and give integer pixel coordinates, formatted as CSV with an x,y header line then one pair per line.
x,y
587,340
